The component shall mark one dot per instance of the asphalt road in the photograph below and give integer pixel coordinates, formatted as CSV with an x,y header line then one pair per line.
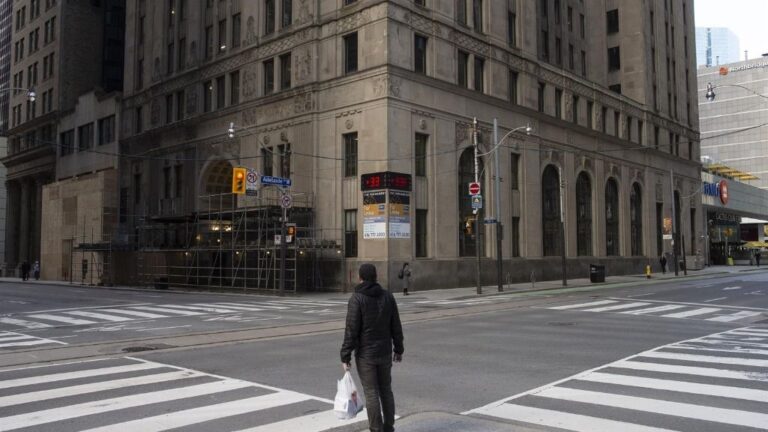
x,y
683,355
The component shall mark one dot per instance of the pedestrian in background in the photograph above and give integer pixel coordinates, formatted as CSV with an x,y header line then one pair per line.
x,y
36,270
757,258
24,271
373,327
405,276
663,262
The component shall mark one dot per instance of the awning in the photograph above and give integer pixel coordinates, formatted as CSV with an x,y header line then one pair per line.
x,y
726,171
756,245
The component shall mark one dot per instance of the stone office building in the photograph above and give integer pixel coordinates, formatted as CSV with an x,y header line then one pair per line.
x,y
326,91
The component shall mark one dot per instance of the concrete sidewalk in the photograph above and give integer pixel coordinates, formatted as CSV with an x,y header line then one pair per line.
x,y
444,422
580,284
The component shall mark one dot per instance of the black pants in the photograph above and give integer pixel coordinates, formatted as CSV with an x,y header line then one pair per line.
x,y
376,377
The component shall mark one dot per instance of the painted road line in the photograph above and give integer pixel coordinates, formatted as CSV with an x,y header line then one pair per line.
x,y
678,386
749,333
192,416
43,379
616,307
707,359
207,309
62,319
166,310
309,423
656,406
691,313
135,313
693,304
735,316
261,305
24,343
734,349
24,323
564,420
4,338
36,396
653,309
238,308
100,316
691,370
54,415
581,305
715,299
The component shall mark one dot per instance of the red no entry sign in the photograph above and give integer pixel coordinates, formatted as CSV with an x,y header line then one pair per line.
x,y
474,188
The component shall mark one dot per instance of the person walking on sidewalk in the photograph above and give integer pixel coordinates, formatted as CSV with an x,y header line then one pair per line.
x,y
663,262
405,276
24,271
757,258
36,270
373,327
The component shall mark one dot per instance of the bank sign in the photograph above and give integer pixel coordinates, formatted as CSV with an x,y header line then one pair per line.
x,y
719,190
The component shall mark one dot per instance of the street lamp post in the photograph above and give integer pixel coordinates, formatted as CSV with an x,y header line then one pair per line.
x,y
31,94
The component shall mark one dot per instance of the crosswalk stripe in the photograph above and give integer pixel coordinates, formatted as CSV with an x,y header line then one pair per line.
x,y
14,337
580,305
102,406
564,420
653,309
690,313
42,395
309,423
732,342
19,382
199,308
23,323
750,334
735,316
739,350
260,305
707,359
690,370
25,343
616,307
240,308
678,386
306,303
101,316
206,413
63,319
656,406
166,310
135,313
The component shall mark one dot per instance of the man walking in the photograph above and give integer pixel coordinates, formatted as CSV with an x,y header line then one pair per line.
x,y
373,327
757,258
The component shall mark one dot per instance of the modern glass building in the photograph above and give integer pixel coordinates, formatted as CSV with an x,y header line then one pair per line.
x,y
716,46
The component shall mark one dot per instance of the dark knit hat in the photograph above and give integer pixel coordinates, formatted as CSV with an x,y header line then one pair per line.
x,y
368,272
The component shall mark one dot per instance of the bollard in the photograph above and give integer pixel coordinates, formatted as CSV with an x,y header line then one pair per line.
x,y
648,271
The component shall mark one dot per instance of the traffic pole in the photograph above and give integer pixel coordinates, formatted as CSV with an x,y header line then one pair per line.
x,y
476,211
497,202
283,251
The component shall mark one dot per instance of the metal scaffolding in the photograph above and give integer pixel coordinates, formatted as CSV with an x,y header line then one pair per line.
x,y
231,243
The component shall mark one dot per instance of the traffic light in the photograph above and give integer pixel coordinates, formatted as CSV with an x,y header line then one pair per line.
x,y
290,232
238,181
469,226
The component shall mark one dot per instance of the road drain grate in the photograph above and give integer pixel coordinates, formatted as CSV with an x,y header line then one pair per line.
x,y
135,349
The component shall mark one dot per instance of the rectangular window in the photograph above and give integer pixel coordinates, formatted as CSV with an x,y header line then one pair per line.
x,y
236,30
463,69
590,114
139,120
612,21
123,205
420,54
169,59
287,16
544,46
614,59
208,42
167,182
575,110
604,115
420,154
350,53
107,130
168,109
616,123
180,105
266,161
85,137
558,103
512,29
514,173
542,92
479,74
67,140
629,128
477,15
285,71
513,78
221,95
569,19
182,54
285,160
137,188
515,237
350,154
558,51
269,16
640,127
571,57
222,46
461,12
350,233
558,18
582,26
179,180
269,76
234,88
421,233
583,63
207,96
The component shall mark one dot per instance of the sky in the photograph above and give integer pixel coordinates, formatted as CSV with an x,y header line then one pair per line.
x,y
746,18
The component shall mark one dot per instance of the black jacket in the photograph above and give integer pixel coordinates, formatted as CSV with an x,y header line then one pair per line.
x,y
373,324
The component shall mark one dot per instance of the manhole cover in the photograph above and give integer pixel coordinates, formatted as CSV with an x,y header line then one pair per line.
x,y
560,324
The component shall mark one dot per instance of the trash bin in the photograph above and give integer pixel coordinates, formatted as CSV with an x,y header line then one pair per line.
x,y
161,283
596,273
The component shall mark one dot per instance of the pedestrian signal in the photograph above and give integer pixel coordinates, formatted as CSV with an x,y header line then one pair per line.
x,y
469,226
290,232
238,180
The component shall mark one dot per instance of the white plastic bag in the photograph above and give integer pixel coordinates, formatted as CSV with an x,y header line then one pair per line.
x,y
348,401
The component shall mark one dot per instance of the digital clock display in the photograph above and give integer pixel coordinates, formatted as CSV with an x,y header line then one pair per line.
x,y
386,180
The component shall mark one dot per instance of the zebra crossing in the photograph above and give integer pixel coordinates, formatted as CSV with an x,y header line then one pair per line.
x,y
126,313
717,382
115,395
707,312
11,340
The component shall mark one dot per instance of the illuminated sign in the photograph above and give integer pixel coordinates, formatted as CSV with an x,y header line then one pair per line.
x,y
386,180
719,190
726,70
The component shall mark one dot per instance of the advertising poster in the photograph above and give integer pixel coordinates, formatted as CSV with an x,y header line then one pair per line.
x,y
374,215
399,215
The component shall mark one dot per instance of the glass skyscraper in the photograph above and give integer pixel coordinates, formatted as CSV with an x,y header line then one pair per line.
x,y
716,46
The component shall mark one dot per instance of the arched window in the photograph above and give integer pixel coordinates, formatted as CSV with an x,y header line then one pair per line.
x,y
636,220
611,218
217,187
468,237
583,215
550,211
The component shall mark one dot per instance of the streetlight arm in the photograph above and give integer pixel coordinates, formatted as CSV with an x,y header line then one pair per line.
x,y
30,92
710,95
507,135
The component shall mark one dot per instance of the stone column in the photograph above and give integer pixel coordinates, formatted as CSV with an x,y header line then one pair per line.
x,y
36,228
13,205
24,223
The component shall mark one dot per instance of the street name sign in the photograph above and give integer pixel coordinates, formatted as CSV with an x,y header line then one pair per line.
x,y
275,181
